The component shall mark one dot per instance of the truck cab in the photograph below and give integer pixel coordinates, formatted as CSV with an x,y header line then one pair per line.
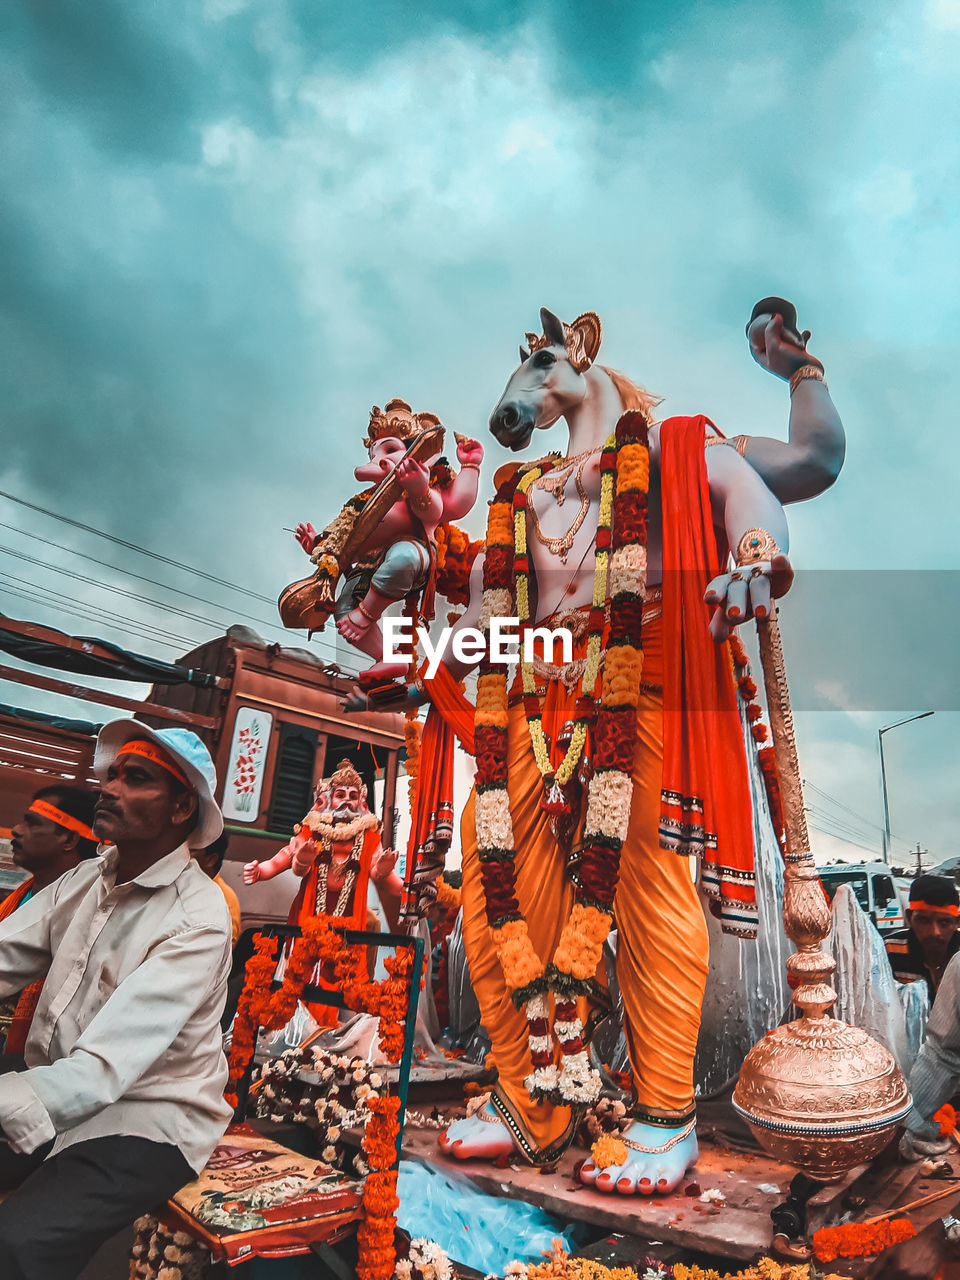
x,y
874,887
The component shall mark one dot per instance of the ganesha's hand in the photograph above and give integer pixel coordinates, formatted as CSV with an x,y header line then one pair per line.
x,y
306,535
469,451
778,351
746,592
303,852
414,477
251,873
383,864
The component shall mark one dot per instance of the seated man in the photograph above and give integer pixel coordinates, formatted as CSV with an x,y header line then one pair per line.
x,y
921,951
122,1099
935,1077
210,861
51,838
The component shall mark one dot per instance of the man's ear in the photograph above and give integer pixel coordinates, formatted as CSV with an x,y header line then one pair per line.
x,y
185,806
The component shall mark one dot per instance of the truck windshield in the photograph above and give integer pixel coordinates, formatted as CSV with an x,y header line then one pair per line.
x,y
857,881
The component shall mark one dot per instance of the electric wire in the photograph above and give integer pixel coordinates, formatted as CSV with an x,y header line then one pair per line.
x,y
105,613
133,546
153,582
220,625
87,617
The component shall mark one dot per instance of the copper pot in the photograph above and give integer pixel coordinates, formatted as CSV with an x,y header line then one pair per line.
x,y
821,1095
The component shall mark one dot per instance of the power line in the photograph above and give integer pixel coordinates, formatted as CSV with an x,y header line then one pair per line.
x,y
105,613
272,626
88,617
840,805
133,546
854,843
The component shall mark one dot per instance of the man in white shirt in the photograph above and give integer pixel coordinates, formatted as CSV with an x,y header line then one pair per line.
x,y
121,1102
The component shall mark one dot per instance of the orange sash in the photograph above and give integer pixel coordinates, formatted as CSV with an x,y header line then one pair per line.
x,y
27,1002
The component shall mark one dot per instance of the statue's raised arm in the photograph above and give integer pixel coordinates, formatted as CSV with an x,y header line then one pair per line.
x,y
809,461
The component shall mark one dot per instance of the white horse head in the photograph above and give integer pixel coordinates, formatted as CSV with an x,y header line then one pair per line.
x,y
551,381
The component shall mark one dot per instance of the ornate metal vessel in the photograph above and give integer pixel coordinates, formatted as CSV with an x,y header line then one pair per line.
x,y
821,1095
817,1093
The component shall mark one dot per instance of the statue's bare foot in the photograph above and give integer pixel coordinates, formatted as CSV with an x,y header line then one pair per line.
x,y
656,1170
476,1139
354,626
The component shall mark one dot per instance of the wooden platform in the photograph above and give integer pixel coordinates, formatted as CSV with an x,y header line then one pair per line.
x,y
752,1185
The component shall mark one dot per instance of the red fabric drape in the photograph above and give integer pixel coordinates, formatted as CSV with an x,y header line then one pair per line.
x,y
706,807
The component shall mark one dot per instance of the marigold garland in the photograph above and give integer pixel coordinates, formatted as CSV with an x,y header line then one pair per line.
x,y
860,1239
618,594
455,554
321,945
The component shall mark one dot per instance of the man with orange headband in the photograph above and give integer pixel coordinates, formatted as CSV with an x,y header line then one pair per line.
x,y
921,951
121,1102
51,838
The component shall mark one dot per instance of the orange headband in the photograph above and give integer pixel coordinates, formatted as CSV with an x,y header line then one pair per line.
x,y
949,910
140,747
53,814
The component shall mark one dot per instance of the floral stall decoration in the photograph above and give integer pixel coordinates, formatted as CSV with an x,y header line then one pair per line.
x,y
259,1006
340,1100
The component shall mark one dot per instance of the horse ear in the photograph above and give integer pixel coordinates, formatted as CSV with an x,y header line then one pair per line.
x,y
553,328
583,340
524,353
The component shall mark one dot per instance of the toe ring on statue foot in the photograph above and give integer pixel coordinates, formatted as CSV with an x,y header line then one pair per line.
x,y
677,1138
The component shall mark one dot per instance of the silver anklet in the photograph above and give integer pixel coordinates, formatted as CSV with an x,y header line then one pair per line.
x,y
677,1138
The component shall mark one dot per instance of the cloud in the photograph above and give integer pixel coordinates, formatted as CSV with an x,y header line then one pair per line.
x,y
230,228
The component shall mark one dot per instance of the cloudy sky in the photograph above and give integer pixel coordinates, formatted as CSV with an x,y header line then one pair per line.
x,y
229,227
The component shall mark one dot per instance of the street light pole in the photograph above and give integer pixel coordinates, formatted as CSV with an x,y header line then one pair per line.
x,y
883,778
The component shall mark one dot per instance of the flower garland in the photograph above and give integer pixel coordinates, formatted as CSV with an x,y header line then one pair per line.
x,y
159,1253
412,733
339,1101
455,554
424,1261
619,587
559,1265
766,756
320,945
376,1233
329,546
860,1239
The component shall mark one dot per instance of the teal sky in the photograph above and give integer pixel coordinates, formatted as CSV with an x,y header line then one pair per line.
x,y
228,228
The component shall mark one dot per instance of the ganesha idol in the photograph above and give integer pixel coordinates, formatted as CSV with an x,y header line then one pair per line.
x,y
388,542
337,852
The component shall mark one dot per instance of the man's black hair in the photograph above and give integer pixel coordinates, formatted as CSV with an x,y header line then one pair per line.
x,y
939,891
217,850
79,803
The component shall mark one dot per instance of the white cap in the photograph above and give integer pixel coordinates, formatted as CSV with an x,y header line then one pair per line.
x,y
191,757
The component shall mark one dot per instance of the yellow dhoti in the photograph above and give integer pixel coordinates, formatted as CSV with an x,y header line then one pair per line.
x,y
662,936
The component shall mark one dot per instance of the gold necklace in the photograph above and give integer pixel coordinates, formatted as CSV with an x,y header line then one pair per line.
x,y
554,482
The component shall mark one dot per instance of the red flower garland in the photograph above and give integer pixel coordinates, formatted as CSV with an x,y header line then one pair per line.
x,y
259,1006
766,756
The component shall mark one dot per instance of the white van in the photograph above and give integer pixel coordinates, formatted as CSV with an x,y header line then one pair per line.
x,y
875,889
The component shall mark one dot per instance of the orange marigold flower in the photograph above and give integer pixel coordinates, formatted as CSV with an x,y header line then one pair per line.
x,y
860,1239
500,525
607,1151
633,468
946,1118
